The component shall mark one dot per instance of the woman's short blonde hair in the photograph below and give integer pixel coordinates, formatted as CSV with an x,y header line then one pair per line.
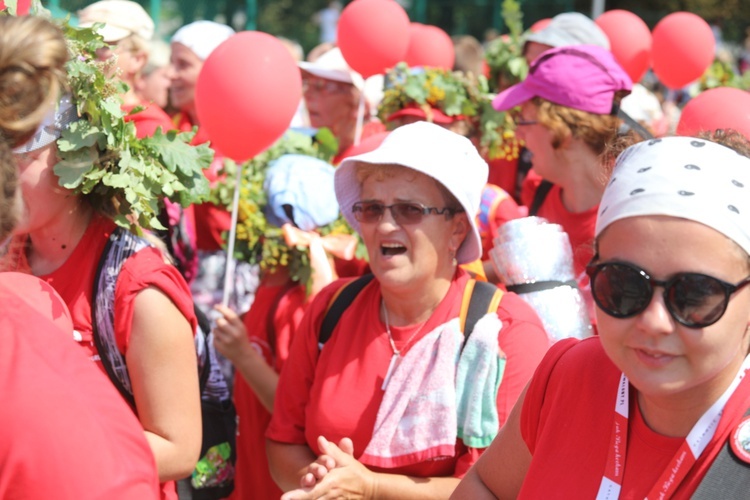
x,y
596,131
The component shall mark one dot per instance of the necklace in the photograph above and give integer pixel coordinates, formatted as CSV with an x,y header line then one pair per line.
x,y
396,357
397,352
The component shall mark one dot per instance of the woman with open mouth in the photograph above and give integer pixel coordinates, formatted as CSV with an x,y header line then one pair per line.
x,y
395,392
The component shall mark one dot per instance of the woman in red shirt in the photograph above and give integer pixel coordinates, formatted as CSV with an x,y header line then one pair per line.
x,y
377,409
60,238
644,409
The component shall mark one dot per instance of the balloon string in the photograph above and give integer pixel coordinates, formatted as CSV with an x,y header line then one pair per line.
x,y
360,117
229,272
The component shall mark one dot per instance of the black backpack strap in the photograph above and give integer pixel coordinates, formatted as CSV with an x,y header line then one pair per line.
x,y
728,476
538,286
539,196
204,362
631,123
480,297
121,245
343,299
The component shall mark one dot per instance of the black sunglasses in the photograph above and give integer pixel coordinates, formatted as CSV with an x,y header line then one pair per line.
x,y
404,213
694,300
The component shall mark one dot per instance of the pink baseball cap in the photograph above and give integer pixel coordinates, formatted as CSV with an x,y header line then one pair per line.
x,y
583,77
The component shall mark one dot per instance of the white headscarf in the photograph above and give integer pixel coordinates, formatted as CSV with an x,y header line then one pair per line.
x,y
202,37
683,177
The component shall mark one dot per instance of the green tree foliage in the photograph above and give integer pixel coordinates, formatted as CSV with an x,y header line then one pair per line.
x,y
732,15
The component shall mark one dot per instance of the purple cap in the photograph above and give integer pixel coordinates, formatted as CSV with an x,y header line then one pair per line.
x,y
583,77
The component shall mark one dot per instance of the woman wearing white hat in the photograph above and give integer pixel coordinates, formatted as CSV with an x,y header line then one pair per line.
x,y
379,403
656,405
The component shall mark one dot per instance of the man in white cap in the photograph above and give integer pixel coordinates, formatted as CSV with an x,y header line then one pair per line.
x,y
568,28
332,91
191,46
127,30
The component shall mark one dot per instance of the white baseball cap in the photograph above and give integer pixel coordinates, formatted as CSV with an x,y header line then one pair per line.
x,y
570,28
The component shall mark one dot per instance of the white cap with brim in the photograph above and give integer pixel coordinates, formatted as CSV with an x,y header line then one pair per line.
x,y
570,28
121,18
202,37
432,150
51,127
332,66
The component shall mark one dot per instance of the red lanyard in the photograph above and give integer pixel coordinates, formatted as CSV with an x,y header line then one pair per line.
x,y
690,449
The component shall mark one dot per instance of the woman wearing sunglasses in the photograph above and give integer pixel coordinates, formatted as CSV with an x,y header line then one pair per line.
x,y
653,405
377,409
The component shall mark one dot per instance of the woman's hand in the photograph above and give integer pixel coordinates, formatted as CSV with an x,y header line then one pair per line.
x,y
230,335
232,341
335,474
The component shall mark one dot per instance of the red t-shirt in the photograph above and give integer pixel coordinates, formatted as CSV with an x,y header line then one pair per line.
x,y
566,421
148,120
503,173
74,281
336,392
579,226
211,221
65,432
253,479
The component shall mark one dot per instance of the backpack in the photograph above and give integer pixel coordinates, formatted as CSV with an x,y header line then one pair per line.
x,y
479,298
728,476
213,477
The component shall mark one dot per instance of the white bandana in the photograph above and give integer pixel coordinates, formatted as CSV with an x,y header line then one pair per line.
x,y
681,177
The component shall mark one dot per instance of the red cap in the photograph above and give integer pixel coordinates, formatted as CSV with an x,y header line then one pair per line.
x,y
413,110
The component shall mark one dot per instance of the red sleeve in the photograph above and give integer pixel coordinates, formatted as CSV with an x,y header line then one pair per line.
x,y
293,392
506,210
524,342
531,411
287,319
142,270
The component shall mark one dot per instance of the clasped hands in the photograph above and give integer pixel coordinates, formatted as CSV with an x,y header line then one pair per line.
x,y
335,474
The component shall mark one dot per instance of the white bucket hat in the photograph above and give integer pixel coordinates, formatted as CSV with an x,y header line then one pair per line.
x,y
121,19
432,150
332,66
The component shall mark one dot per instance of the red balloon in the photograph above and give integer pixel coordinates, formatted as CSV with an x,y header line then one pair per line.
x,y
247,93
717,108
373,35
629,40
683,49
540,25
429,46
41,296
